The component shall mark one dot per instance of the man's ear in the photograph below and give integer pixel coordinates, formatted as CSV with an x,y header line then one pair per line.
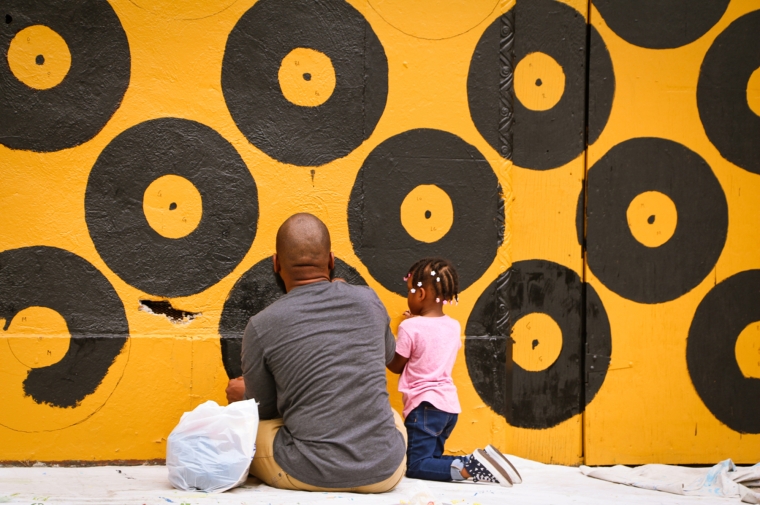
x,y
276,263
331,263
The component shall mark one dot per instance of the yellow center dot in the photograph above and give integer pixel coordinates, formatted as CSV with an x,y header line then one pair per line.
x,y
38,337
307,77
427,213
172,206
39,57
753,92
538,342
539,81
652,218
748,351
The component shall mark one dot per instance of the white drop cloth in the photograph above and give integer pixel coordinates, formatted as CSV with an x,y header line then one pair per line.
x,y
724,480
542,485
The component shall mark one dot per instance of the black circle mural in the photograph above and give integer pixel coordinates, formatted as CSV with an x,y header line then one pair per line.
x,y
729,122
258,288
301,134
642,273
544,139
391,172
76,109
116,215
545,398
661,24
75,289
710,351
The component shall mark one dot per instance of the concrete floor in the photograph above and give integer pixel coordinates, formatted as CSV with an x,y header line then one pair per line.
x,y
542,484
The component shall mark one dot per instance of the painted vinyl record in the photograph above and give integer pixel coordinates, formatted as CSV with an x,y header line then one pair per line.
x,y
66,283
711,351
656,221
661,24
542,398
728,92
258,288
64,69
171,207
425,193
549,127
306,80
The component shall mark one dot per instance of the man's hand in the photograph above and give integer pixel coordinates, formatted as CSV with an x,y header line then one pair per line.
x,y
235,390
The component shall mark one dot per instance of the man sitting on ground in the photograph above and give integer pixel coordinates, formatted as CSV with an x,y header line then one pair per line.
x,y
315,361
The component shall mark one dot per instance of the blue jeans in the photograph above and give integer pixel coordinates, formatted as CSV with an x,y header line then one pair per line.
x,y
427,429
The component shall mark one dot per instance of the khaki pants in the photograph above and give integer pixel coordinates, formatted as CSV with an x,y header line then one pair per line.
x,y
266,468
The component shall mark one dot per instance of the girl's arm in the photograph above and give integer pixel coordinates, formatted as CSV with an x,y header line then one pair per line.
x,y
397,364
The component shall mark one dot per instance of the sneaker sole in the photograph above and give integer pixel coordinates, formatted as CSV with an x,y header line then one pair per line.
x,y
496,454
492,466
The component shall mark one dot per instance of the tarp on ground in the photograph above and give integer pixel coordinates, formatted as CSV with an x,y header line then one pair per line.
x,y
724,480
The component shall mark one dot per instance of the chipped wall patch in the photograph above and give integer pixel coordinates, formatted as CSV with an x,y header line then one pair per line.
x,y
164,308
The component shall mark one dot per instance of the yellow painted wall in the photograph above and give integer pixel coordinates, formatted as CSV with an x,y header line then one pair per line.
x,y
646,411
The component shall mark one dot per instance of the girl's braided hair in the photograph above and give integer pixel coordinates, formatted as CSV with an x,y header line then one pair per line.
x,y
437,274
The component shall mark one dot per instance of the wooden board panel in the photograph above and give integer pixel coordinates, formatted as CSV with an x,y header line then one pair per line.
x,y
675,392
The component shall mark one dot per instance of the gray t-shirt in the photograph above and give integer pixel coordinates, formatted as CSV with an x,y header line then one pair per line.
x,y
316,357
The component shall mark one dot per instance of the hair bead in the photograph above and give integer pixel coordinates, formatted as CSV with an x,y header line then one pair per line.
x,y
444,280
412,290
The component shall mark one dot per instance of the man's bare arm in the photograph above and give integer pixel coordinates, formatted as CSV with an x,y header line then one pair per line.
x,y
397,364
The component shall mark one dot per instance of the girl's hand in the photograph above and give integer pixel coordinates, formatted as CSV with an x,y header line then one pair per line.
x,y
407,314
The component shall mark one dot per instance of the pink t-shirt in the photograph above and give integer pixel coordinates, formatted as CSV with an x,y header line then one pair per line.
x,y
431,344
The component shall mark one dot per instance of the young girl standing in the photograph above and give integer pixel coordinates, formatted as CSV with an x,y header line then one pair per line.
x,y
427,346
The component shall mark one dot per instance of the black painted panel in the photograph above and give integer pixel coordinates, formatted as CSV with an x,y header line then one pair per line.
x,y
722,92
727,309
547,139
114,207
94,314
307,136
661,24
395,168
545,398
630,268
75,110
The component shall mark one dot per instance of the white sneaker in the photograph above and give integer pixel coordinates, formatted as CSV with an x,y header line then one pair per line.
x,y
507,465
483,468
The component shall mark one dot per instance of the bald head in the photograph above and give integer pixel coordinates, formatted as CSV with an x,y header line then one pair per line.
x,y
303,249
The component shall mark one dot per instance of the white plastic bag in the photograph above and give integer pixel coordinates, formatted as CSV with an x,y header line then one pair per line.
x,y
212,447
